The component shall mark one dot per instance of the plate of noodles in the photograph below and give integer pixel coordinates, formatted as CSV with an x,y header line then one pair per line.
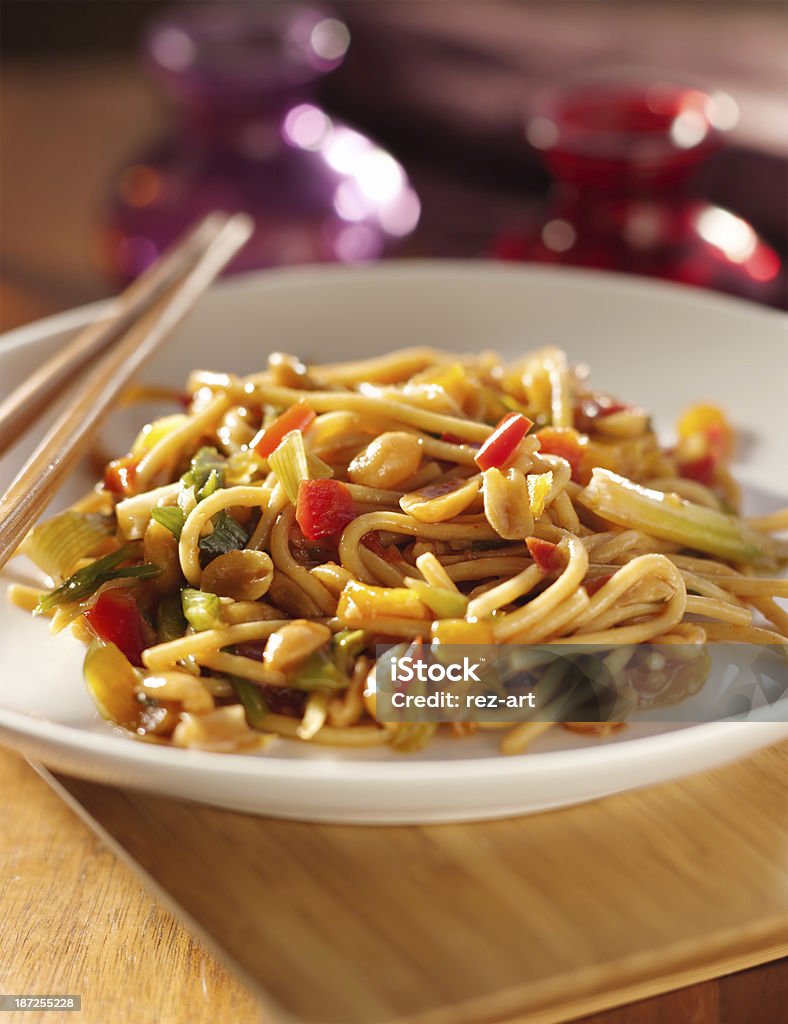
x,y
326,460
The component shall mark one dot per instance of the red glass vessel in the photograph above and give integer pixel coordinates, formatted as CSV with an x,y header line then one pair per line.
x,y
623,152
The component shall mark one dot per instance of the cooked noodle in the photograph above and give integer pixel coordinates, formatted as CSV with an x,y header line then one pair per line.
x,y
581,529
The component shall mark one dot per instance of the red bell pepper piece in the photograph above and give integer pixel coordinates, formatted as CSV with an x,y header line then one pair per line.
x,y
500,445
702,470
324,507
116,619
598,406
720,439
594,407
120,474
564,442
545,554
297,417
709,445
612,406
454,439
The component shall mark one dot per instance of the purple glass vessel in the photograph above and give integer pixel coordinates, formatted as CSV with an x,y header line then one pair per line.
x,y
249,135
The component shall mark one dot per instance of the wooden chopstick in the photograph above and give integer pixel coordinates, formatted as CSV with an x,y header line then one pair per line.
x,y
19,409
74,431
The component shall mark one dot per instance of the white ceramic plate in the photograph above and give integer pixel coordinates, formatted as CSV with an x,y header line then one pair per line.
x,y
660,346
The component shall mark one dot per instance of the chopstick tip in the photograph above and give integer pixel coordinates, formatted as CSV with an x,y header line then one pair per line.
x,y
244,223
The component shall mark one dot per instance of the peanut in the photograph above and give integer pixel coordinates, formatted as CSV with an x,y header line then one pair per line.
x,y
388,461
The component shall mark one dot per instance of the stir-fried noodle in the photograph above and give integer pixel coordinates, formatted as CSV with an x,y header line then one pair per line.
x,y
235,571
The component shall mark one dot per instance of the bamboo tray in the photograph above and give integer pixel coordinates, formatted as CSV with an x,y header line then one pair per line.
x,y
534,919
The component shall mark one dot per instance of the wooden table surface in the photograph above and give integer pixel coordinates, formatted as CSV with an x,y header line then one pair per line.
x,y
77,920
74,918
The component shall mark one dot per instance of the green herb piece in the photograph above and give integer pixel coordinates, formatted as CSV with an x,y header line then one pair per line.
x,y
445,603
204,464
171,623
210,486
201,609
319,672
86,581
347,645
228,535
171,517
252,699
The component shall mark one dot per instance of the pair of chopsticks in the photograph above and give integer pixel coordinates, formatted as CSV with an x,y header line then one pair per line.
x,y
117,346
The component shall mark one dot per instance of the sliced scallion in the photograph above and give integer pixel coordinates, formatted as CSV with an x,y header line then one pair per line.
x,y
86,581
207,461
228,535
289,462
170,516
672,518
319,672
170,621
201,609
445,603
253,701
56,544
210,486
347,645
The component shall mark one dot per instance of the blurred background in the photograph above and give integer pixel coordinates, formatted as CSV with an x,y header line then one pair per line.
x,y
644,137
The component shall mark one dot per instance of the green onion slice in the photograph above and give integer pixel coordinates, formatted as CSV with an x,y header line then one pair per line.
x,y
86,581
670,517
170,516
289,462
228,535
206,470
57,543
201,609
445,603
171,623
319,672
253,701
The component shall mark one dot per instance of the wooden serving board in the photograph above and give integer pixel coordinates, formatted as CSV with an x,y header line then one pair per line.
x,y
533,919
